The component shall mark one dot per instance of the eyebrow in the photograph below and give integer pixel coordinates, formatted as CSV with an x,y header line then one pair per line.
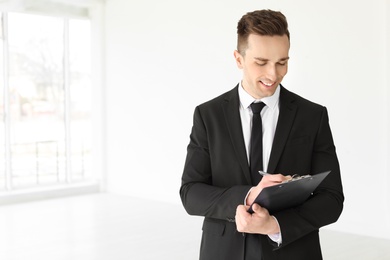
x,y
263,59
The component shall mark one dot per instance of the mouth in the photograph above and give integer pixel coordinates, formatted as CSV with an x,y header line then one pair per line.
x,y
267,84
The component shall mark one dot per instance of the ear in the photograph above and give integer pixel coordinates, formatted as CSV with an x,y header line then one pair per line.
x,y
239,59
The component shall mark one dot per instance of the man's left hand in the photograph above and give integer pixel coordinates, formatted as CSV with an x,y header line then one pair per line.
x,y
260,222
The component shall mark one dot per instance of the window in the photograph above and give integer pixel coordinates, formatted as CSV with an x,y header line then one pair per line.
x,y
45,100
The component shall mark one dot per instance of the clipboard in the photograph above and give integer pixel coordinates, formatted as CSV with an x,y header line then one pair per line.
x,y
289,194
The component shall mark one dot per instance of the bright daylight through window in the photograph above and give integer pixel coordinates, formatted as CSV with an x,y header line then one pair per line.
x,y
45,100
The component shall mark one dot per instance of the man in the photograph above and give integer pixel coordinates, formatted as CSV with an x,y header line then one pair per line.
x,y
296,139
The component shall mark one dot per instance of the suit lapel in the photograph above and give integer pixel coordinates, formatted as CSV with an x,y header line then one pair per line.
x,y
233,122
285,121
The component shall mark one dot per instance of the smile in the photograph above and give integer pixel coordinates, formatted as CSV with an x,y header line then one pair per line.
x,y
267,84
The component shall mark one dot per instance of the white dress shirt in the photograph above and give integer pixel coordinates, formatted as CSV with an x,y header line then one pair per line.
x,y
269,116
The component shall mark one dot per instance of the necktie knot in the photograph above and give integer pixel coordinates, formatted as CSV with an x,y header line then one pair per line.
x,y
257,107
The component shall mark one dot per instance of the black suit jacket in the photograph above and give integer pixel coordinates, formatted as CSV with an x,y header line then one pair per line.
x,y
216,176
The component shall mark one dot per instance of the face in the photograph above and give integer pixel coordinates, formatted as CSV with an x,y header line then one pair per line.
x,y
264,64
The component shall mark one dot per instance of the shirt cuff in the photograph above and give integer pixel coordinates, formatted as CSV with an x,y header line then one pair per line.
x,y
277,238
247,197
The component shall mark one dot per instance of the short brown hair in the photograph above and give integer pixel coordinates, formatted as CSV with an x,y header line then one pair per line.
x,y
260,22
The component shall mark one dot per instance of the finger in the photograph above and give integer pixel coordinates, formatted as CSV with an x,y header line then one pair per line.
x,y
256,208
240,213
240,209
260,211
240,220
276,177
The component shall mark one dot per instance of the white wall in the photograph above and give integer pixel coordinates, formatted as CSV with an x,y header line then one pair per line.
x,y
165,57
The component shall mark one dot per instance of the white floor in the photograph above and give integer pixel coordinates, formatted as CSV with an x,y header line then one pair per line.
x,y
113,227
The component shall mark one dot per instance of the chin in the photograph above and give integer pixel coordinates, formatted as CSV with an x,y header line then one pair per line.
x,y
268,92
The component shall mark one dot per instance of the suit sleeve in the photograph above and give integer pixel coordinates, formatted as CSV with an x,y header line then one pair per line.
x,y
198,193
325,205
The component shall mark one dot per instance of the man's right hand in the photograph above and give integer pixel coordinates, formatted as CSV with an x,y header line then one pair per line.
x,y
266,181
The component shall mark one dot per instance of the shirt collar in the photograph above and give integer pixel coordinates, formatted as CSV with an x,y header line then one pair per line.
x,y
246,100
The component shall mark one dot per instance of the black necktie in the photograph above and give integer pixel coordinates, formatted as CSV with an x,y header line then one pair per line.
x,y
256,150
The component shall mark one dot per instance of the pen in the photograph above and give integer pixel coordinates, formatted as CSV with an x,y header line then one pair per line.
x,y
263,173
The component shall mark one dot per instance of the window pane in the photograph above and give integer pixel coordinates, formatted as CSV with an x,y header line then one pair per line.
x,y
80,95
36,47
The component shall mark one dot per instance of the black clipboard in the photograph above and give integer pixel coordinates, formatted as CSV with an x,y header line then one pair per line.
x,y
289,194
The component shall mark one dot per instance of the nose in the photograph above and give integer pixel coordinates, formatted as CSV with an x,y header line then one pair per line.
x,y
271,72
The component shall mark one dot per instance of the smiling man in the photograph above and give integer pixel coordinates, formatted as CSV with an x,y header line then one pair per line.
x,y
264,63
260,126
